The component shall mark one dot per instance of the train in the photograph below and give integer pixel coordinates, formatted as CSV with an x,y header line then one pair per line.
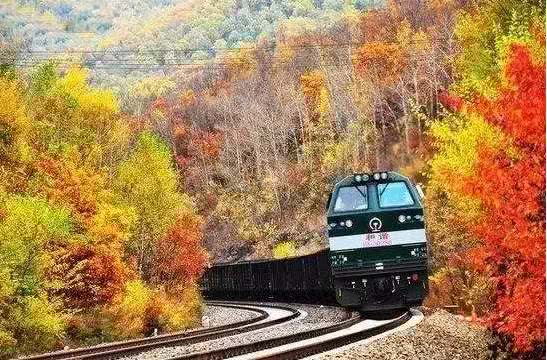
x,y
377,258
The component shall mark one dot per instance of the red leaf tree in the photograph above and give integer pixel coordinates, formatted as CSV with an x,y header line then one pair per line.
x,y
511,186
180,257
91,276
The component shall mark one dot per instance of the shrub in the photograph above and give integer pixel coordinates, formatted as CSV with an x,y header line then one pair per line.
x,y
128,315
284,249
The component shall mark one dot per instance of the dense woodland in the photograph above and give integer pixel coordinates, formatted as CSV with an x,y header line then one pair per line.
x,y
120,179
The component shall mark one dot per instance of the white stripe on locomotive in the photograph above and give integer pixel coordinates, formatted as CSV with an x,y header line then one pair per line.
x,y
358,241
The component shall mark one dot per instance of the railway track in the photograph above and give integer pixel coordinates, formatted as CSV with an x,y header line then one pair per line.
x,y
329,341
303,344
136,346
295,346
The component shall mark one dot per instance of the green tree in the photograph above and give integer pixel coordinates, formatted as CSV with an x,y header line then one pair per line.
x,y
147,181
28,227
73,116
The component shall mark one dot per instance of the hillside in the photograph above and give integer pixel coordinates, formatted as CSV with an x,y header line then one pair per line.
x,y
123,41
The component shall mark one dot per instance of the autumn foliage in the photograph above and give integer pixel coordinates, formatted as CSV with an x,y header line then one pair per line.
x,y
75,187
90,211
179,256
88,276
486,178
505,183
384,60
510,185
105,201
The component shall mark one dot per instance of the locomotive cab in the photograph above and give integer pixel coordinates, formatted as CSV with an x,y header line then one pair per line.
x,y
378,246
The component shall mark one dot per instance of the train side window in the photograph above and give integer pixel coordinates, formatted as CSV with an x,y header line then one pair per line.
x,y
394,194
350,198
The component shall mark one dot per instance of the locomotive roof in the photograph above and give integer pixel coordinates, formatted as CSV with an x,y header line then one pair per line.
x,y
392,176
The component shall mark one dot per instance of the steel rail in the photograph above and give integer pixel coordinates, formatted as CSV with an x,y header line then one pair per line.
x,y
333,343
266,344
136,346
302,351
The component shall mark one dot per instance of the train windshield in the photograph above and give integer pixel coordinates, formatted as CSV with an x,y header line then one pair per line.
x,y
350,198
394,194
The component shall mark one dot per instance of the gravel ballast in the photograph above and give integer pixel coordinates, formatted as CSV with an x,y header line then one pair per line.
x,y
439,336
219,315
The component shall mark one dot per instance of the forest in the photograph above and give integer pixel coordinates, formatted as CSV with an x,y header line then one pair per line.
x,y
213,131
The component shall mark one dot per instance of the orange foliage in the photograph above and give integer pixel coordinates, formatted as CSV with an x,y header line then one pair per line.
x,y
384,60
193,144
91,276
208,144
179,256
160,105
442,9
153,313
188,98
179,132
312,83
241,63
378,25
72,186
511,188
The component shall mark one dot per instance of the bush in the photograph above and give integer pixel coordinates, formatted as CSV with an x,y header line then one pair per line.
x,y
284,249
182,310
462,286
128,315
141,310
35,323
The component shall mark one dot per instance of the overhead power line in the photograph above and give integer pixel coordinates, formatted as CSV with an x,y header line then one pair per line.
x,y
165,58
211,49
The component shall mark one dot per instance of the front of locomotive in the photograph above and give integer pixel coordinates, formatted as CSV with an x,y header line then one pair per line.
x,y
378,246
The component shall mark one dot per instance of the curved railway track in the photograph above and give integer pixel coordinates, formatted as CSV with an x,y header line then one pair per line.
x,y
330,341
300,345
294,346
136,346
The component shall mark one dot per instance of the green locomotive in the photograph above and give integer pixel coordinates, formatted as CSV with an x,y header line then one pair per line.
x,y
378,245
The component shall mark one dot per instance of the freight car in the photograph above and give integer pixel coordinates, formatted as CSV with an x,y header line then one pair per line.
x,y
304,278
377,258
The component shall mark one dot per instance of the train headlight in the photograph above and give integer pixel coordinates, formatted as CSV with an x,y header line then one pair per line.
x,y
349,223
383,175
402,218
418,217
358,178
365,177
376,176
